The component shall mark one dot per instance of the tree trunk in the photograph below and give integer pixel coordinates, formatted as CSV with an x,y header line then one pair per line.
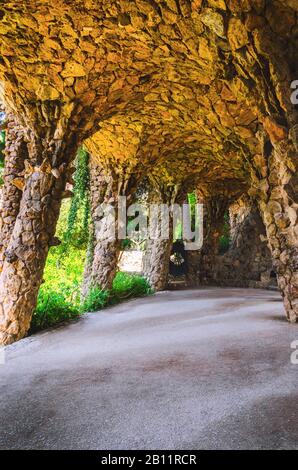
x,y
279,208
16,152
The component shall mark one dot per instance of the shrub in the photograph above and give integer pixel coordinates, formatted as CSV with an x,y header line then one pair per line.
x,y
125,286
64,267
60,302
96,299
53,307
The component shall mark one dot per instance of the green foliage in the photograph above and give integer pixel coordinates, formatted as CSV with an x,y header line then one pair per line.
x,y
65,267
53,307
65,263
224,241
59,299
192,201
178,232
126,244
95,300
125,286
59,296
77,232
2,143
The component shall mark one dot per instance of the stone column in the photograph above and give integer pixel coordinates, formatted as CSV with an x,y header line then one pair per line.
x,y
158,251
214,211
192,260
50,151
278,200
16,152
157,258
102,258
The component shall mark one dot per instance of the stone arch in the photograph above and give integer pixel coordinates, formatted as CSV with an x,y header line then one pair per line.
x,y
221,71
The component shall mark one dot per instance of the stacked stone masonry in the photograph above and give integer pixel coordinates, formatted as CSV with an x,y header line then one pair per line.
x,y
198,89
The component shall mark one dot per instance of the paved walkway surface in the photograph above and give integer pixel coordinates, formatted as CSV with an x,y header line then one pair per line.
x,y
197,369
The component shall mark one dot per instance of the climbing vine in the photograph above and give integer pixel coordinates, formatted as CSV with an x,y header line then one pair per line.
x,y
77,231
192,201
224,241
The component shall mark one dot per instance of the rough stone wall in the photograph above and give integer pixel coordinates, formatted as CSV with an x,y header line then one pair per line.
x,y
125,151
215,197
16,152
26,254
248,261
277,187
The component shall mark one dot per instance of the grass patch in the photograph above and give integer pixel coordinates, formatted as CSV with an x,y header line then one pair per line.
x,y
52,308
62,303
95,300
128,286
125,286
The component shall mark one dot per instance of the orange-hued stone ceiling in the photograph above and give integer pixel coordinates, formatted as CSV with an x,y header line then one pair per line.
x,y
186,83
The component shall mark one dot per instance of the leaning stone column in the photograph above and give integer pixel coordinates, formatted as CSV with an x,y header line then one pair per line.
x,y
192,259
50,152
278,200
158,250
214,211
16,152
104,249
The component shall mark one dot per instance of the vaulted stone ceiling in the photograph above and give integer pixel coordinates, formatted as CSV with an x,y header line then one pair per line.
x,y
193,77
127,145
